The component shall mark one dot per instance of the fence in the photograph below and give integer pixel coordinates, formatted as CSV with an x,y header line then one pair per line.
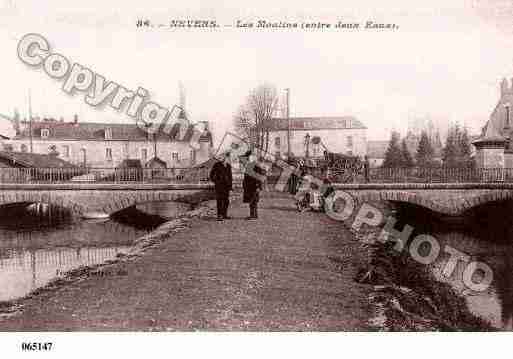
x,y
409,175
199,175
103,175
439,175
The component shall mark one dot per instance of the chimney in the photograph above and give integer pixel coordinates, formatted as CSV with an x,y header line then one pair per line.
x,y
75,120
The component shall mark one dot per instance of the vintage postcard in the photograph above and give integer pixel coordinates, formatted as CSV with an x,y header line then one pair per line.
x,y
228,174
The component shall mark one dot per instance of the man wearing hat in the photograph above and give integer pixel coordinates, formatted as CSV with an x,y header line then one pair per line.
x,y
221,175
252,184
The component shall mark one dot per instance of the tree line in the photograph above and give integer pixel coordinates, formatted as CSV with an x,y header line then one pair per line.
x,y
455,153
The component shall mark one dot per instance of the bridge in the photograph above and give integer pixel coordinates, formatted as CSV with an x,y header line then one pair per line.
x,y
446,191
103,192
101,200
452,199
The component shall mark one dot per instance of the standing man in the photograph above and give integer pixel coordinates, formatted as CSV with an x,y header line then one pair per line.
x,y
366,169
221,175
252,184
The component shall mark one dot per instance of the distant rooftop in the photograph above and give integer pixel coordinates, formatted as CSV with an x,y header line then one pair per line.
x,y
26,159
90,131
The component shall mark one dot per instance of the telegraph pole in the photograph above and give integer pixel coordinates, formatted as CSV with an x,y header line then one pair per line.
x,y
288,123
30,121
155,145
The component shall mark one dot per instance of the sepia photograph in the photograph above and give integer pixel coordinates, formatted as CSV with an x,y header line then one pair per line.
x,y
289,176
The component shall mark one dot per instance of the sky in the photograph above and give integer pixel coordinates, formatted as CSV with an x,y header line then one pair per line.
x,y
444,61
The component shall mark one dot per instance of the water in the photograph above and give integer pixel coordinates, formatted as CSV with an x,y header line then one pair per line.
x,y
34,251
23,271
164,209
489,304
485,235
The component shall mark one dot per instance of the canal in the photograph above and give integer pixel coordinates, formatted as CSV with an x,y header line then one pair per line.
x,y
484,234
36,248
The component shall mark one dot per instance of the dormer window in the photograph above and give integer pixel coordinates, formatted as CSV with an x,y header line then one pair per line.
x,y
108,133
45,133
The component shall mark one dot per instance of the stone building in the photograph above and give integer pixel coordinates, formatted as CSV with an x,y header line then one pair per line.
x,y
106,145
494,148
311,136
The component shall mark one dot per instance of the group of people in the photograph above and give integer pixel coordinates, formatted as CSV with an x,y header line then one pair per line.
x,y
252,184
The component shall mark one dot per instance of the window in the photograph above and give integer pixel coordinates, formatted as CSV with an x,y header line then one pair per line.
x,y
108,154
174,156
83,157
52,150
108,133
349,141
349,153
277,141
144,154
45,132
65,151
24,148
277,155
193,157
8,147
315,150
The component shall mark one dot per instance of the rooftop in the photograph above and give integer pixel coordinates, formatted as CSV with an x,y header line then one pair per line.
x,y
90,131
26,159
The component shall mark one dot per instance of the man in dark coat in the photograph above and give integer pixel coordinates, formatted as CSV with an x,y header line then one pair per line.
x,y
221,175
252,183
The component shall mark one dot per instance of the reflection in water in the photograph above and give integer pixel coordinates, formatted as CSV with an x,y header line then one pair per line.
x,y
164,209
485,304
35,251
25,270
39,243
484,237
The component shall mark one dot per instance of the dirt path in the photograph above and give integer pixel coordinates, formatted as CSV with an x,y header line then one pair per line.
x,y
284,271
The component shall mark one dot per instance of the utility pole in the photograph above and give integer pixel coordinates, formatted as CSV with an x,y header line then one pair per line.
x,y
507,132
288,123
30,121
155,145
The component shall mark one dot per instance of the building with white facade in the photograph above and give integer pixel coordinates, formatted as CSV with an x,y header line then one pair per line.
x,y
106,145
311,136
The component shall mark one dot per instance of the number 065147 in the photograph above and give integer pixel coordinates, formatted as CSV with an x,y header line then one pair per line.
x,y
36,346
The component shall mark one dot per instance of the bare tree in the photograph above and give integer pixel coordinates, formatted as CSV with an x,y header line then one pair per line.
x,y
252,119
